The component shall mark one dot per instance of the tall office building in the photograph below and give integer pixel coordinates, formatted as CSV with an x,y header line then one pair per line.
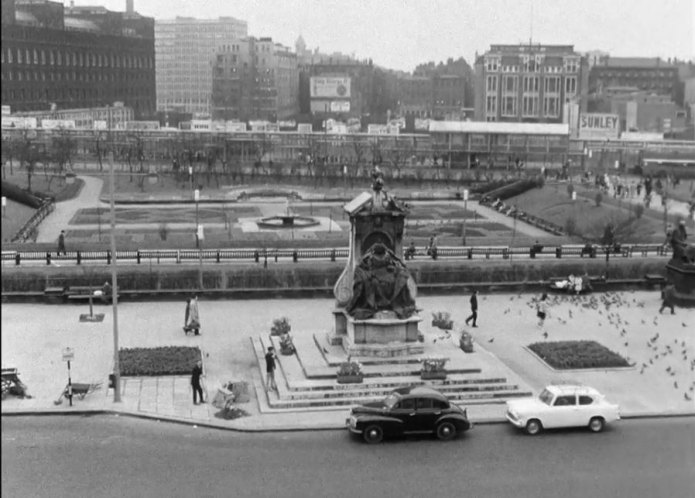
x,y
185,50
529,83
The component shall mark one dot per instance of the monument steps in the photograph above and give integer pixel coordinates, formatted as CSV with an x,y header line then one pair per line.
x,y
298,391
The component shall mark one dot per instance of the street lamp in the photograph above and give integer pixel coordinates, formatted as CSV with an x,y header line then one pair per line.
x,y
114,287
196,197
465,214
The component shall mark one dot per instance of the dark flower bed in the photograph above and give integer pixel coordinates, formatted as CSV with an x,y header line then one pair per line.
x,y
565,355
170,360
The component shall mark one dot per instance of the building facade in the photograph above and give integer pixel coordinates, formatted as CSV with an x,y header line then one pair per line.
x,y
71,57
99,118
529,83
255,79
185,52
654,75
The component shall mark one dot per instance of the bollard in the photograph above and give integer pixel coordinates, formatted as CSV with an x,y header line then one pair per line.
x,y
79,257
48,258
255,256
17,259
137,256
218,256
505,253
470,253
333,255
295,256
558,252
276,256
532,252
108,257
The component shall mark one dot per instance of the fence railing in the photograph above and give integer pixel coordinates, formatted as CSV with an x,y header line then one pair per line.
x,y
24,233
263,255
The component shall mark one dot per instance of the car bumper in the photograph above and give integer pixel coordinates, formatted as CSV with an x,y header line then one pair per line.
x,y
517,421
350,425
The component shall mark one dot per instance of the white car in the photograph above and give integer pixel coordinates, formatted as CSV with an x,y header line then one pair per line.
x,y
562,406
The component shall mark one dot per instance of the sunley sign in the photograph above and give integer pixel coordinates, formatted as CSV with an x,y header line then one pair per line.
x,y
599,126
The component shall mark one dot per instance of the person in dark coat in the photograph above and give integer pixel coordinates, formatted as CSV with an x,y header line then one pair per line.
x,y
270,368
196,374
61,242
667,299
474,309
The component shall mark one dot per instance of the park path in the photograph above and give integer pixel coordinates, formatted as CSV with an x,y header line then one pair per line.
x,y
64,211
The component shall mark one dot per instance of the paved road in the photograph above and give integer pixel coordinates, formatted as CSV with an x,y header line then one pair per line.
x,y
113,456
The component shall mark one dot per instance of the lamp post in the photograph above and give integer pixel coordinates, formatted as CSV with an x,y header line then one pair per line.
x,y
4,206
196,197
114,288
465,214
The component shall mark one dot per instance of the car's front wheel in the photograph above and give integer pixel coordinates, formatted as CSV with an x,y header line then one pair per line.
x,y
597,424
446,431
534,426
373,434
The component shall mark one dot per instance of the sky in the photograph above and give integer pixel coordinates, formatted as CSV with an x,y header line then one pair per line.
x,y
399,34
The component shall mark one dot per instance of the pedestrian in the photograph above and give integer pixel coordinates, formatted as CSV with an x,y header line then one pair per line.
x,y
61,242
542,309
196,374
410,251
186,328
432,249
194,316
667,299
474,309
270,368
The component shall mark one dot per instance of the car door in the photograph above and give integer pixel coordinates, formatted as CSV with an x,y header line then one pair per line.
x,y
586,408
564,412
426,414
405,412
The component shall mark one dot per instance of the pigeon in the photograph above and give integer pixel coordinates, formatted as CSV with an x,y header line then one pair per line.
x,y
684,325
675,384
545,335
491,339
687,398
626,344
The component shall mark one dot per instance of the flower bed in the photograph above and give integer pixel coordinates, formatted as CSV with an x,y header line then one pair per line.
x,y
350,372
170,360
565,355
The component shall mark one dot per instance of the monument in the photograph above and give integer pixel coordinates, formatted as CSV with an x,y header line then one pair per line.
x,y
375,295
681,269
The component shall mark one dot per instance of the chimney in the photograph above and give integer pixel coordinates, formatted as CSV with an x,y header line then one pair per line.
x,y
129,6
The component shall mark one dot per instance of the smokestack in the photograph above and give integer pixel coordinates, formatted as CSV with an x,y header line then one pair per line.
x,y
129,6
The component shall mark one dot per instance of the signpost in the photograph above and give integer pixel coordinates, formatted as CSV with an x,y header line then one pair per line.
x,y
69,355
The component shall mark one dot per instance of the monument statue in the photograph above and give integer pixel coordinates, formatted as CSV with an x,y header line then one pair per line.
x,y
380,284
680,269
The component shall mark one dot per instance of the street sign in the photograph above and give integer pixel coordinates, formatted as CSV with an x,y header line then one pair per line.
x,y
68,354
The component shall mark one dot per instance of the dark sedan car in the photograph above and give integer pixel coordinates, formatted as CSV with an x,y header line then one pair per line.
x,y
408,410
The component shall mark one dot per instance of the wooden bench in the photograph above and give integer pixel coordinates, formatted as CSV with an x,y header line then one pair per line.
x,y
654,279
82,293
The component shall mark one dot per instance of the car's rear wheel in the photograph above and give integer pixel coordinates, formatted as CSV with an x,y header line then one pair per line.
x,y
597,424
446,431
373,434
534,426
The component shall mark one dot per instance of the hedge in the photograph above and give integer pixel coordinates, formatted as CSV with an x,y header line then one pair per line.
x,y
168,360
512,190
565,355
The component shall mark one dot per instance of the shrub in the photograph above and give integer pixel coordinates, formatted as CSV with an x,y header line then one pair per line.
x,y
168,360
577,354
598,198
512,190
639,210
433,364
350,368
163,231
570,190
442,320
280,326
571,225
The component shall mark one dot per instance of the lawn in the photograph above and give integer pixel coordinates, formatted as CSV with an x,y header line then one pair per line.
x,y
568,355
554,204
54,186
14,218
171,360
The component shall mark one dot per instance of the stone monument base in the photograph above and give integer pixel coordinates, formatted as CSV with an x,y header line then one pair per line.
x,y
682,276
383,336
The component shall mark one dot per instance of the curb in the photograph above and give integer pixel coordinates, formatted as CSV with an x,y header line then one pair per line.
x,y
207,425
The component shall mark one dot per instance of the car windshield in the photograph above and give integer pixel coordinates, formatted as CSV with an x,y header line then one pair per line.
x,y
546,397
391,400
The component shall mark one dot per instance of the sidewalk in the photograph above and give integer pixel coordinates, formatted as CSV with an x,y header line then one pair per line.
x,y
34,335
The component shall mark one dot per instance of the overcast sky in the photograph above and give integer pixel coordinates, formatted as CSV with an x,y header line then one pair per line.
x,y
399,34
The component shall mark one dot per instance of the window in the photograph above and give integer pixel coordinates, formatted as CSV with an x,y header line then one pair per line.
x,y
510,83
509,106
552,84
19,56
551,106
585,400
531,84
529,106
423,403
571,85
406,404
565,401
491,107
43,57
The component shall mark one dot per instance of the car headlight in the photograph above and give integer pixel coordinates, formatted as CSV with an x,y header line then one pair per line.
x,y
353,421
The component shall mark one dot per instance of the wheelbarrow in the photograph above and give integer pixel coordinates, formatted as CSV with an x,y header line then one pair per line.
x,y
78,389
12,385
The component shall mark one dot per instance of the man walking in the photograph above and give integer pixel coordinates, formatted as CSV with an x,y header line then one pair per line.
x,y
667,297
61,242
474,309
270,368
195,382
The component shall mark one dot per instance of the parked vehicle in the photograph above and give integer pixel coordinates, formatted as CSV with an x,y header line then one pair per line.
x,y
563,406
409,410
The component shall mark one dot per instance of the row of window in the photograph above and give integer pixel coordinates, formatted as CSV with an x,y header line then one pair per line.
x,y
532,64
529,106
531,84
54,94
74,58
40,75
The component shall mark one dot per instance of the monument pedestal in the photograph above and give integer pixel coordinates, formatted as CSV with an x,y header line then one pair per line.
x,y
682,276
383,336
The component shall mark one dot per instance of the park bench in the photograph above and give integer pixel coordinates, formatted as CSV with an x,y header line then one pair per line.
x,y
654,279
12,385
491,251
83,292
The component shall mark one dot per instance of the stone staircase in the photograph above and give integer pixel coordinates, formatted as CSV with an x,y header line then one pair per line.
x,y
307,379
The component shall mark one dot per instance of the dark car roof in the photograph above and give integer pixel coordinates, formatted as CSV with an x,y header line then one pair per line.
x,y
420,391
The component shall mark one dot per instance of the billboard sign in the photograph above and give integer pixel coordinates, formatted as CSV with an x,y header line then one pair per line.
x,y
601,126
234,126
330,87
304,128
6,110
18,122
